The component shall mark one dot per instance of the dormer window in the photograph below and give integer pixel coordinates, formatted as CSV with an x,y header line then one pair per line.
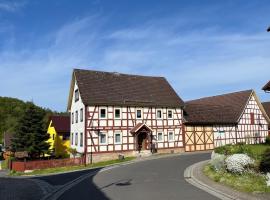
x,y
76,95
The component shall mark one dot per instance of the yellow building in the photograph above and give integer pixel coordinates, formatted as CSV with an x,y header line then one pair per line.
x,y
59,131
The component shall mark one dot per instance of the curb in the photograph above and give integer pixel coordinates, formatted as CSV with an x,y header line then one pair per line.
x,y
190,178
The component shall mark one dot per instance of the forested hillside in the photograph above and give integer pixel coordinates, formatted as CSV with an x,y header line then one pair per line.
x,y
11,110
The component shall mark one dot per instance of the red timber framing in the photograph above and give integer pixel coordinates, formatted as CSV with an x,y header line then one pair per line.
x,y
111,125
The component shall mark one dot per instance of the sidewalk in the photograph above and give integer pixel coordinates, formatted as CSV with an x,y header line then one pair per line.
x,y
194,175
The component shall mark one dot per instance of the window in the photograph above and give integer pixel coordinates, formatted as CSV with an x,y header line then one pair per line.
x,y
72,118
76,139
159,114
139,114
81,114
76,116
71,139
117,113
76,95
102,138
117,138
103,113
171,136
160,137
252,118
81,139
170,114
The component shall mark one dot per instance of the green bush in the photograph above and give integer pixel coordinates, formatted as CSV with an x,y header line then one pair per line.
x,y
233,149
267,140
265,162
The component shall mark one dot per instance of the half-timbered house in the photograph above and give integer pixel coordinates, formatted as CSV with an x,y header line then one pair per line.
x,y
266,106
113,113
224,119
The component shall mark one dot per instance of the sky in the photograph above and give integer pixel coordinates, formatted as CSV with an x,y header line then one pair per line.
x,y
203,48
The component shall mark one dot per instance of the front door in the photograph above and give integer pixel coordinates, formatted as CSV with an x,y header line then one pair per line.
x,y
142,141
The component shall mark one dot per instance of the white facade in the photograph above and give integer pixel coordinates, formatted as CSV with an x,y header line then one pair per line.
x,y
77,127
252,127
110,126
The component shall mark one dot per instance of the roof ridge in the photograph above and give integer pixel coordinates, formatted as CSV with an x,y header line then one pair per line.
x,y
220,95
116,73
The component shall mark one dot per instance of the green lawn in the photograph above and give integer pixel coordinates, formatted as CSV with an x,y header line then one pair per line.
x,y
71,168
247,182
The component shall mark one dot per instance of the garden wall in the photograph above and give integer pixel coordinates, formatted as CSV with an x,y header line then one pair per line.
x,y
43,164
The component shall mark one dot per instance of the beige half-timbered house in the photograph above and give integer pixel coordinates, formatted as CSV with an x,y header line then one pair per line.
x,y
224,119
113,113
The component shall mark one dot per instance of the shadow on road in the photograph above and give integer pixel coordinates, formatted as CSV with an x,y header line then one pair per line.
x,y
86,189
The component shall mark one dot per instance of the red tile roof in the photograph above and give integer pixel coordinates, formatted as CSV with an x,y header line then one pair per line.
x,y
61,123
105,88
221,109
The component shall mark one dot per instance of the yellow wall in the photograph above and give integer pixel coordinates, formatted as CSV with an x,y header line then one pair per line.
x,y
61,146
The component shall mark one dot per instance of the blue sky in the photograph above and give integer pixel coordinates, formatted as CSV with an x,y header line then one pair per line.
x,y
203,48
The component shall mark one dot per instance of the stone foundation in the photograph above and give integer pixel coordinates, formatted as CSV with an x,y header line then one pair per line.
x,y
98,157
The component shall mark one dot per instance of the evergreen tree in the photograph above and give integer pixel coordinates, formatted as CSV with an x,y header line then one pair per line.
x,y
30,133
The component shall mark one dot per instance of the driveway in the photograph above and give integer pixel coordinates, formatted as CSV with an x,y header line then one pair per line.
x,y
159,179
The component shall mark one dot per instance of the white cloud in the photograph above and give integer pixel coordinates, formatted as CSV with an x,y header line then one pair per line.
x,y
11,6
196,63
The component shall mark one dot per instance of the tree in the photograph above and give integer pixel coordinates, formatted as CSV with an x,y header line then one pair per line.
x,y
30,133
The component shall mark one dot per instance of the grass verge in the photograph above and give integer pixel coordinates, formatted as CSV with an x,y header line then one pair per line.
x,y
247,182
70,168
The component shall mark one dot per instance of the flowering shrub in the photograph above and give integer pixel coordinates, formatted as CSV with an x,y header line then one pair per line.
x,y
217,161
268,179
238,163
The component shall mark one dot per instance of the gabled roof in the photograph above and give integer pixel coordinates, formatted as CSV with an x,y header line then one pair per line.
x,y
139,126
61,123
266,87
106,88
266,106
221,109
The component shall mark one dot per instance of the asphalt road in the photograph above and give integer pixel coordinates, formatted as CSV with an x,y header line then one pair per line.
x,y
160,179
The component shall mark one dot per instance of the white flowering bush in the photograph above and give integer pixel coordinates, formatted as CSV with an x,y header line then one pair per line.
x,y
238,163
217,161
268,179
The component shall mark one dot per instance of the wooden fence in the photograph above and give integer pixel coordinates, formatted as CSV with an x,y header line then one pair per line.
x,y
43,164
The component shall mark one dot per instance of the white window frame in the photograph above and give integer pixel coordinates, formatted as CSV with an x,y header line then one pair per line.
x,y
141,113
168,114
76,95
76,139
120,114
81,139
106,112
99,138
158,137
72,139
120,133
81,115
160,112
72,118
172,140
76,116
